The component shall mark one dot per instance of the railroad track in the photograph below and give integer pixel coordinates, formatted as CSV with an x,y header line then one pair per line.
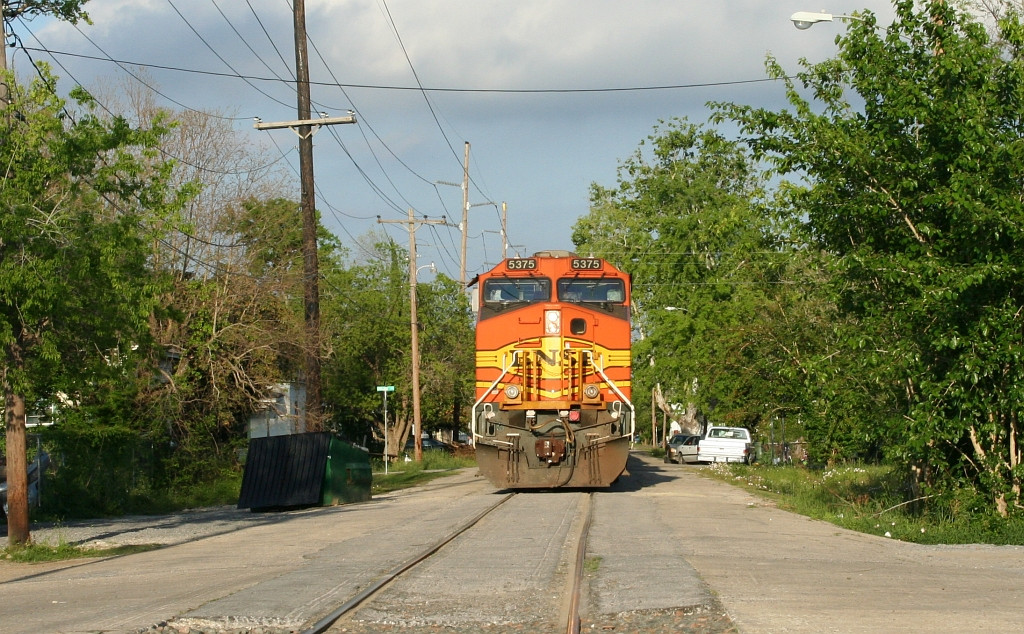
x,y
568,617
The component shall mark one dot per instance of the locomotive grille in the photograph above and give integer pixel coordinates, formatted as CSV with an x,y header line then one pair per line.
x,y
570,374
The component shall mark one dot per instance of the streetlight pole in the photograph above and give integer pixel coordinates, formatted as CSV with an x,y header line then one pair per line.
x,y
504,230
385,389
465,216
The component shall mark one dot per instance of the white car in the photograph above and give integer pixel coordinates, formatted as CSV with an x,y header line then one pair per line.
x,y
726,444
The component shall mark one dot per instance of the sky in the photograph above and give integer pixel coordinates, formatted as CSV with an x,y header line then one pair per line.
x,y
551,95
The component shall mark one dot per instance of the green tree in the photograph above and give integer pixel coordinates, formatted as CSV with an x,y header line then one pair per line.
x,y
447,354
67,10
80,211
230,328
230,324
366,316
705,258
910,142
366,321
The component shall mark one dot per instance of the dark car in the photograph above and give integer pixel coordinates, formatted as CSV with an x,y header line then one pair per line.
x,y
429,444
682,448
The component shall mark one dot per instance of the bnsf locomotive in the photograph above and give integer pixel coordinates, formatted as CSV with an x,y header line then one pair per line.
x,y
552,404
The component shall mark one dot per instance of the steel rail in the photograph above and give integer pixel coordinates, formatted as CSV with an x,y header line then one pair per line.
x,y
573,620
323,624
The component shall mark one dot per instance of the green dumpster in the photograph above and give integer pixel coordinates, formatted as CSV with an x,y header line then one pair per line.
x,y
348,476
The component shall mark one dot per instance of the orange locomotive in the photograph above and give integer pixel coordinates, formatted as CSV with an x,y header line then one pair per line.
x,y
552,402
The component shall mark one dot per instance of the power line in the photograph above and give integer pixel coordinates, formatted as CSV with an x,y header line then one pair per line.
x,y
221,58
270,39
508,91
244,41
202,168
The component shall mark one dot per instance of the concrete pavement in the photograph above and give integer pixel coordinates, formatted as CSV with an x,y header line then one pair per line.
x,y
775,571
665,536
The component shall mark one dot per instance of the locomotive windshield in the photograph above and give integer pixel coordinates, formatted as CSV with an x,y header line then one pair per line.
x,y
507,290
577,290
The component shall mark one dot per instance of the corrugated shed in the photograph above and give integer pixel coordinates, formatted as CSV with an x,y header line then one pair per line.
x,y
285,471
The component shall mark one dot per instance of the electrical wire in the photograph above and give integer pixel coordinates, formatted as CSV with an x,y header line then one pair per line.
x,y
391,87
364,125
221,58
141,80
245,42
273,44
103,106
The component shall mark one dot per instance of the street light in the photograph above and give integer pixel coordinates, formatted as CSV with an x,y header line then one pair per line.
x,y
385,389
804,20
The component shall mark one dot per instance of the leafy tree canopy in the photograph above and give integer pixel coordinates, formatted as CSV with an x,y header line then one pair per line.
x,y
83,199
685,221
910,144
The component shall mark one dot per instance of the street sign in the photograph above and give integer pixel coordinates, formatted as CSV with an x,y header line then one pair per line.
x,y
385,388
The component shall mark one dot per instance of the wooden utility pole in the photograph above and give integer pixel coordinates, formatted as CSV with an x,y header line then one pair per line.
x,y
14,402
414,325
305,128
465,215
310,258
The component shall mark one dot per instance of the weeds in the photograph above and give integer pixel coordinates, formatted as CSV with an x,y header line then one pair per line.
x,y
36,553
402,475
875,500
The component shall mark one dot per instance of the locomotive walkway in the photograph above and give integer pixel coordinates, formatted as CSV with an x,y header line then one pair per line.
x,y
671,542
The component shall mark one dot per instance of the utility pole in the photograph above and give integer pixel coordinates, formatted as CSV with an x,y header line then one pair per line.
x,y
310,258
465,215
14,402
414,325
305,128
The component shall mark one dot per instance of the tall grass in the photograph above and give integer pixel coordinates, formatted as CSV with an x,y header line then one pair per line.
x,y
875,500
401,475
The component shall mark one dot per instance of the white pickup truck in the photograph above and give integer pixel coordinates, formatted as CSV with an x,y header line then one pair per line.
x,y
725,444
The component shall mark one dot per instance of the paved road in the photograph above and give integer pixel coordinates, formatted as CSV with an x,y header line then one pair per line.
x,y
779,572
669,541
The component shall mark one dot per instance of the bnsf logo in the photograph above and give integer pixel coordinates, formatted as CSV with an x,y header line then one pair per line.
x,y
550,359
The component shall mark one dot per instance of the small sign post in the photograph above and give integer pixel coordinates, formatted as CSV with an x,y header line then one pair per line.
x,y
385,389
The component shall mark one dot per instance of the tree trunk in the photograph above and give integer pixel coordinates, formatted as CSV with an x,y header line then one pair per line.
x,y
17,469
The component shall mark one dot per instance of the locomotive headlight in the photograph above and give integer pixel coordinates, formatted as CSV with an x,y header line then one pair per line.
x,y
512,392
552,322
591,391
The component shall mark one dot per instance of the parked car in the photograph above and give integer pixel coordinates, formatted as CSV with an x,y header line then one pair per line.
x,y
726,444
429,444
682,448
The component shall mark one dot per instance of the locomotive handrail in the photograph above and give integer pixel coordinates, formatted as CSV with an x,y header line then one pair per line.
x,y
611,384
504,371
